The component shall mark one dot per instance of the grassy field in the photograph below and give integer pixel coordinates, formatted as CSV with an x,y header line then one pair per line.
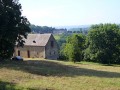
x,y
58,75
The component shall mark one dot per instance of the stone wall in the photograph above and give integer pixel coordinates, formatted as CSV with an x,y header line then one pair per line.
x,y
34,52
52,50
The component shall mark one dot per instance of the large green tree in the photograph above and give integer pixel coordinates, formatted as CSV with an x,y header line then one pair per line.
x,y
103,44
13,27
73,49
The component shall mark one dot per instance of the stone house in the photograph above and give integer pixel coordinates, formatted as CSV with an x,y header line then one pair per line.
x,y
38,46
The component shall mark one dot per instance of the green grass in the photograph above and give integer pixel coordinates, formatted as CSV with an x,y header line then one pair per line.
x,y
57,37
58,75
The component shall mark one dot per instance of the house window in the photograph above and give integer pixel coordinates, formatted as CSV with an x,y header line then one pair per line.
x,y
28,52
52,44
18,52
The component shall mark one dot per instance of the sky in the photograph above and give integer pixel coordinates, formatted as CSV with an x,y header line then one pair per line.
x,y
71,12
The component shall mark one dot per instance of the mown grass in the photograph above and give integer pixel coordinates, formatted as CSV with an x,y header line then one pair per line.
x,y
58,75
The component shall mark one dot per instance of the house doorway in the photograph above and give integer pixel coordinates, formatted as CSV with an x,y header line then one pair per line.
x,y
18,52
28,52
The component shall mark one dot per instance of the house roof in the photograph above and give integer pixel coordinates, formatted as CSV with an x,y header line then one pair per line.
x,y
37,39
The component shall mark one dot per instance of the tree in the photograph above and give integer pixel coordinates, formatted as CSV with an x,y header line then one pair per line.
x,y
41,29
13,27
73,49
103,44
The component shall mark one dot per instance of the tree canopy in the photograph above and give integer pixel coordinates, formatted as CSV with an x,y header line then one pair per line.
x,y
13,27
103,44
41,29
73,49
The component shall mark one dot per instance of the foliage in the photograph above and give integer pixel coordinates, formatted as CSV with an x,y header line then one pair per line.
x,y
41,29
13,27
103,44
61,38
79,30
72,50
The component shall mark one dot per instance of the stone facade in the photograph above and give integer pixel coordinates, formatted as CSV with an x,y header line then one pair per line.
x,y
30,52
49,51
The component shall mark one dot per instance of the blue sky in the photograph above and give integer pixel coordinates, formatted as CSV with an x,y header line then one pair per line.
x,y
71,12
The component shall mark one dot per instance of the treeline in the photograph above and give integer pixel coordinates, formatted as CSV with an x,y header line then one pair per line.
x,y
78,30
101,44
41,29
46,29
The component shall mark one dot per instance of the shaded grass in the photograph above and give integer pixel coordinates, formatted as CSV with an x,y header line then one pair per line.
x,y
7,86
48,68
57,75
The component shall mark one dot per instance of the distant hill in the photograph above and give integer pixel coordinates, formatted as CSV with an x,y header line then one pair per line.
x,y
60,29
73,26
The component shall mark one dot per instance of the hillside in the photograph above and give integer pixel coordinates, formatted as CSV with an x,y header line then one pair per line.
x,y
58,75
